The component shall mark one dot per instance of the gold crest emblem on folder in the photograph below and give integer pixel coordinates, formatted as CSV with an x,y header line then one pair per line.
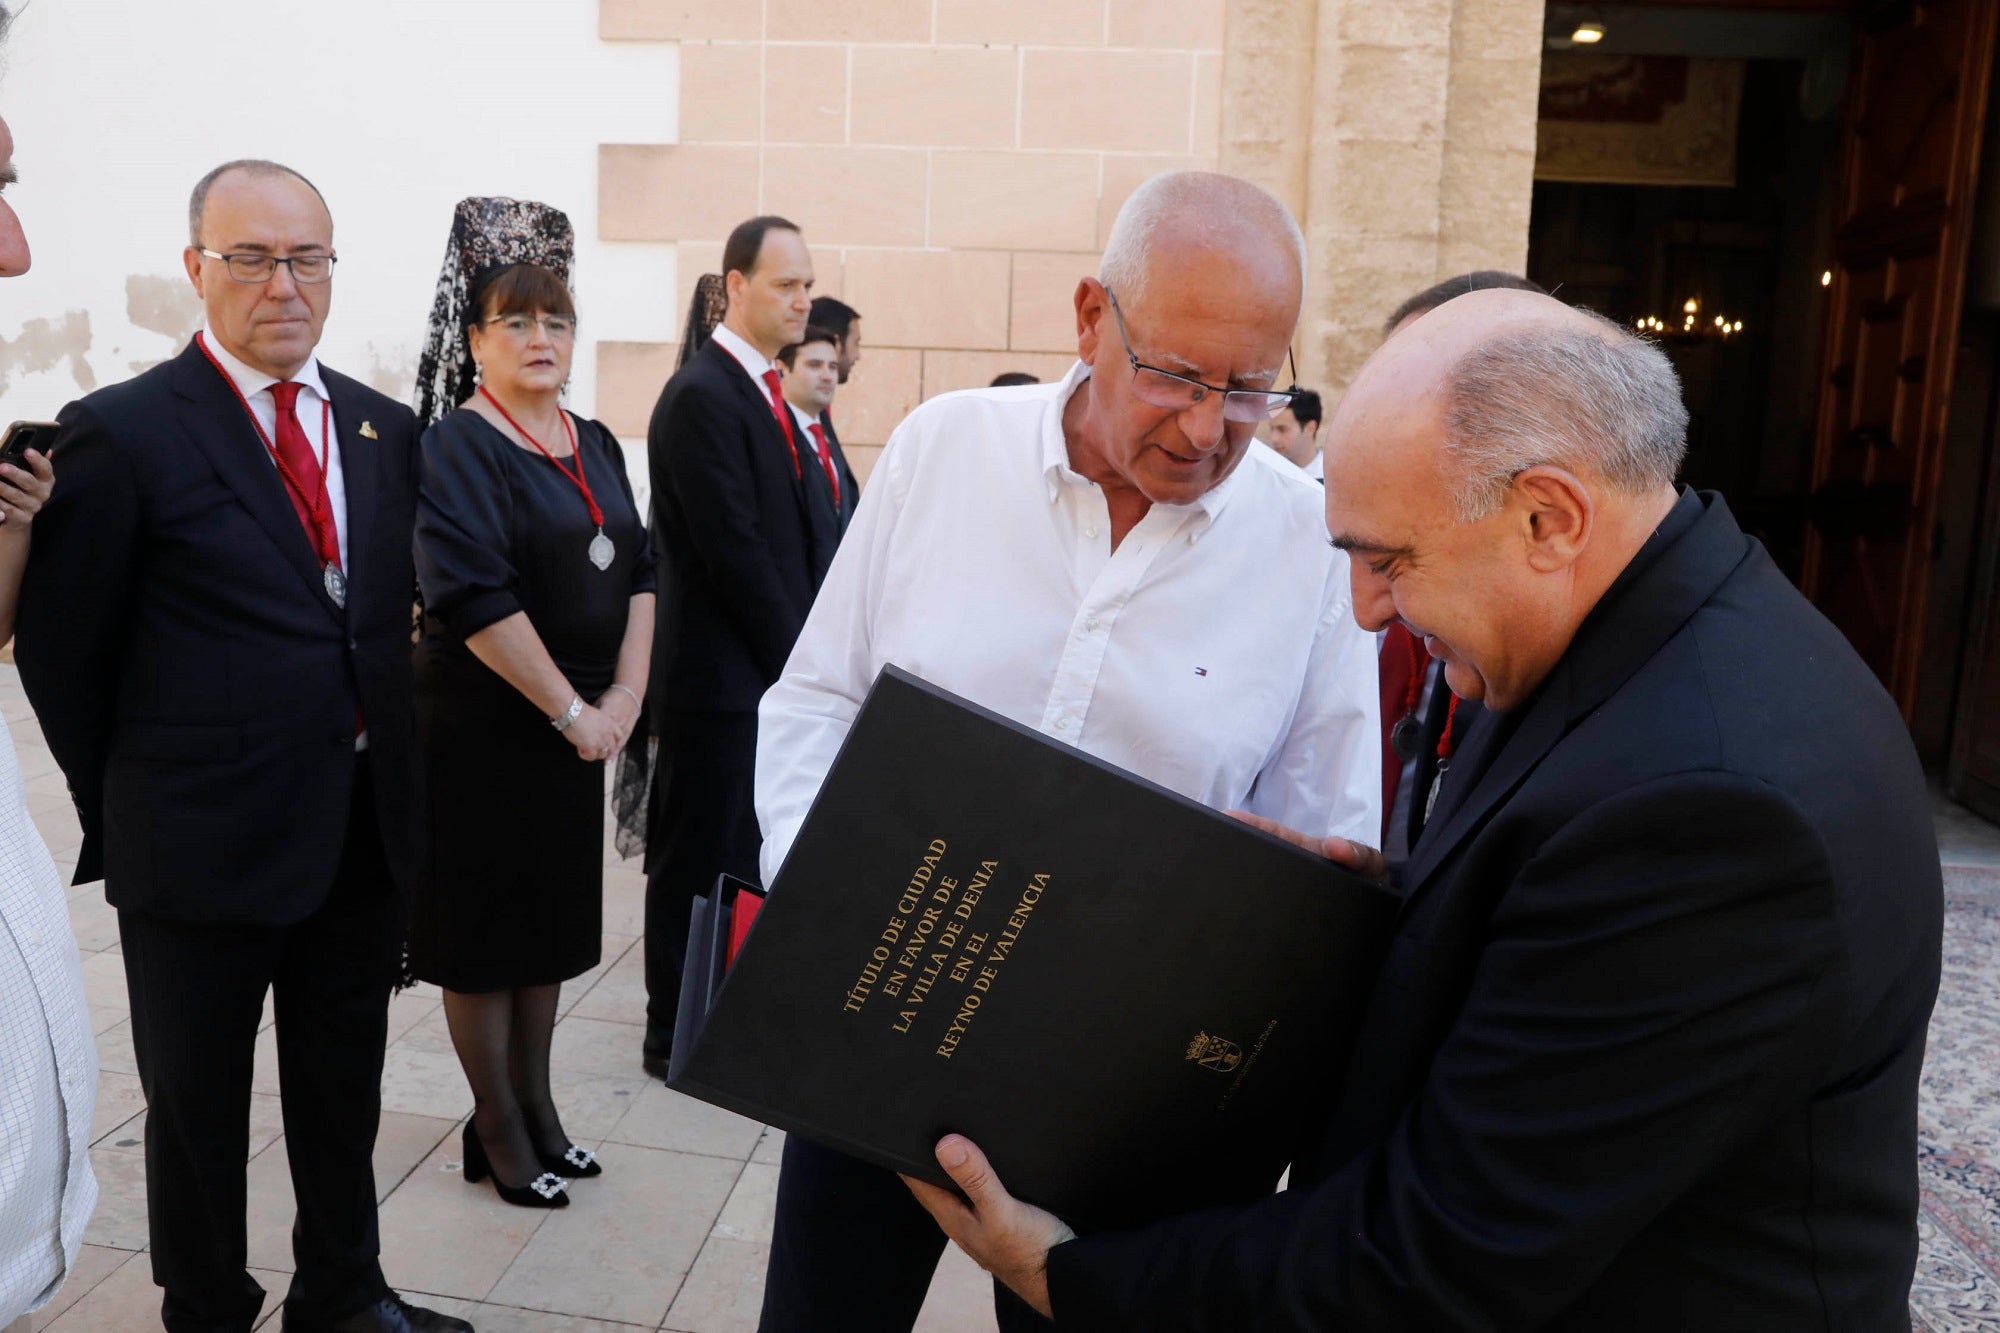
x,y
1214,1052
368,430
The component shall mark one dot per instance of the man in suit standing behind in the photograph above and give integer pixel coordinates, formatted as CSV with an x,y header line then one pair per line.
x,y
812,375
743,543
215,634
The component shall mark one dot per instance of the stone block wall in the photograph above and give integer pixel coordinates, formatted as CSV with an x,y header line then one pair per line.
x,y
956,164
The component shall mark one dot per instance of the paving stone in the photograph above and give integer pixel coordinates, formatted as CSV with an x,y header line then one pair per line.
x,y
442,1234
628,1238
663,1118
724,1291
94,1263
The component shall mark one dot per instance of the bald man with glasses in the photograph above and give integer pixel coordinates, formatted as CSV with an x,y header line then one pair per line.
x,y
215,634
1108,560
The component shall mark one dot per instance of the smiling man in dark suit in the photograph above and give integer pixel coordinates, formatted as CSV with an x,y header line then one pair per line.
x,y
215,634
744,539
1643,1053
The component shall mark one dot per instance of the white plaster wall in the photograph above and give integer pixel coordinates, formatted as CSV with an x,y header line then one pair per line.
x,y
395,108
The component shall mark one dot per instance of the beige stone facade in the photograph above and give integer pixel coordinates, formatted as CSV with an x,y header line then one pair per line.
x,y
956,164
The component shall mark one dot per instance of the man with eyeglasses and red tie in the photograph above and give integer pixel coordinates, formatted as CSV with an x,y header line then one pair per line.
x,y
1109,560
215,635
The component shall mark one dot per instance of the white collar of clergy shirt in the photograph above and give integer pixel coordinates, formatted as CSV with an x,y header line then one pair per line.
x,y
1057,469
250,382
746,356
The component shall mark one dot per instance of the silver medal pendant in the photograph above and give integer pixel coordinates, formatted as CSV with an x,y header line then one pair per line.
x,y
1430,801
601,550
336,585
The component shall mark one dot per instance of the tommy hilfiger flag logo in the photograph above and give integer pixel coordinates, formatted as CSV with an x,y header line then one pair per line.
x,y
1201,671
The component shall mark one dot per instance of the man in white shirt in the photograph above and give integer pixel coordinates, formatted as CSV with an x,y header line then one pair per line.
x,y
1294,434
1093,558
49,1089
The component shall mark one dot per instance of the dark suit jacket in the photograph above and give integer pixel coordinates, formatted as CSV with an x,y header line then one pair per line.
x,y
850,489
1644,1050
195,682
742,542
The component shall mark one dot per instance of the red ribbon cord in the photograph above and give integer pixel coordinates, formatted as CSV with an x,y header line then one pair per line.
x,y
575,450
316,501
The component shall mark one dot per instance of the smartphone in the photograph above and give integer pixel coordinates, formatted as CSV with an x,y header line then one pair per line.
x,y
25,435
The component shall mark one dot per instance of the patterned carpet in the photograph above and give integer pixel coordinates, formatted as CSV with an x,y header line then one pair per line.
x,y
1958,1269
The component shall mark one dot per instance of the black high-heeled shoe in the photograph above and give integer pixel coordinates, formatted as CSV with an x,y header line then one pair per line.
x,y
575,1163
548,1190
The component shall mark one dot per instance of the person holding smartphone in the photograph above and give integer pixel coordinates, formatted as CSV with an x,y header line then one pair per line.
x,y
49,1093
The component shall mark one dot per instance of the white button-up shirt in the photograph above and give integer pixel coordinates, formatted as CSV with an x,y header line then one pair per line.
x,y
48,1066
314,411
1214,652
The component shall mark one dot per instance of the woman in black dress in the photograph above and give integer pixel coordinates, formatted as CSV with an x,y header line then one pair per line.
x,y
537,583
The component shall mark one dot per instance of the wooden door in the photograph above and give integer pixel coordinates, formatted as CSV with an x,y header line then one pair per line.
x,y
1915,106
1974,771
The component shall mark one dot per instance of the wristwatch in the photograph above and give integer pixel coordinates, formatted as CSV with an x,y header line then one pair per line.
x,y
564,720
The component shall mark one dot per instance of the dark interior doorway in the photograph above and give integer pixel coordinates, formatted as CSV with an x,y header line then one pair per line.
x,y
1880,495
1753,253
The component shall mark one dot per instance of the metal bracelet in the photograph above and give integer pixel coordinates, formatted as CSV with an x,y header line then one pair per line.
x,y
566,719
628,694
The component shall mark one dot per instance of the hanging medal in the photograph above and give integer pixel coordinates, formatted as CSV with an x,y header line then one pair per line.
x,y
600,551
1446,745
1406,735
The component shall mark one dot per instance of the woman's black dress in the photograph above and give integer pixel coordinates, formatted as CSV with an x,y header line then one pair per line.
x,y
512,892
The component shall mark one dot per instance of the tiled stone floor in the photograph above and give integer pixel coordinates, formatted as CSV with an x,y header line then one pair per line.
x,y
673,1236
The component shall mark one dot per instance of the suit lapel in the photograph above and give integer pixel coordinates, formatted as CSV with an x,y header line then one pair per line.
x,y
217,425
1618,638
361,475
758,405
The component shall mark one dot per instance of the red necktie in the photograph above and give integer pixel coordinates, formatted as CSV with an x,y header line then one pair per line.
x,y
303,480
1401,664
826,461
784,416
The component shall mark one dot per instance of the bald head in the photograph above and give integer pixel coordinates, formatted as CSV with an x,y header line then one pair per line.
x,y
1491,471
1515,379
1183,217
1186,331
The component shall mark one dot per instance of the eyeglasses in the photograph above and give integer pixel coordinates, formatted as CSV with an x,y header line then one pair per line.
x,y
520,326
1163,388
259,268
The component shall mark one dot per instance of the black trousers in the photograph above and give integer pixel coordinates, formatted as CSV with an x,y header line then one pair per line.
x,y
854,1252
703,824
197,995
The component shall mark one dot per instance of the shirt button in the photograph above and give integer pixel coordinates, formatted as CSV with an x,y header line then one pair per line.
x,y
1091,532
1091,624
1062,724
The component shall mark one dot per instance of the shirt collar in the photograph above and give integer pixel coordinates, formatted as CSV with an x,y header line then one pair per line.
x,y
746,356
800,415
1056,468
250,382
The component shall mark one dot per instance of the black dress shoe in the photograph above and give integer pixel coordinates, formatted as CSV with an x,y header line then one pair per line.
x,y
391,1314
655,1062
574,1164
548,1190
